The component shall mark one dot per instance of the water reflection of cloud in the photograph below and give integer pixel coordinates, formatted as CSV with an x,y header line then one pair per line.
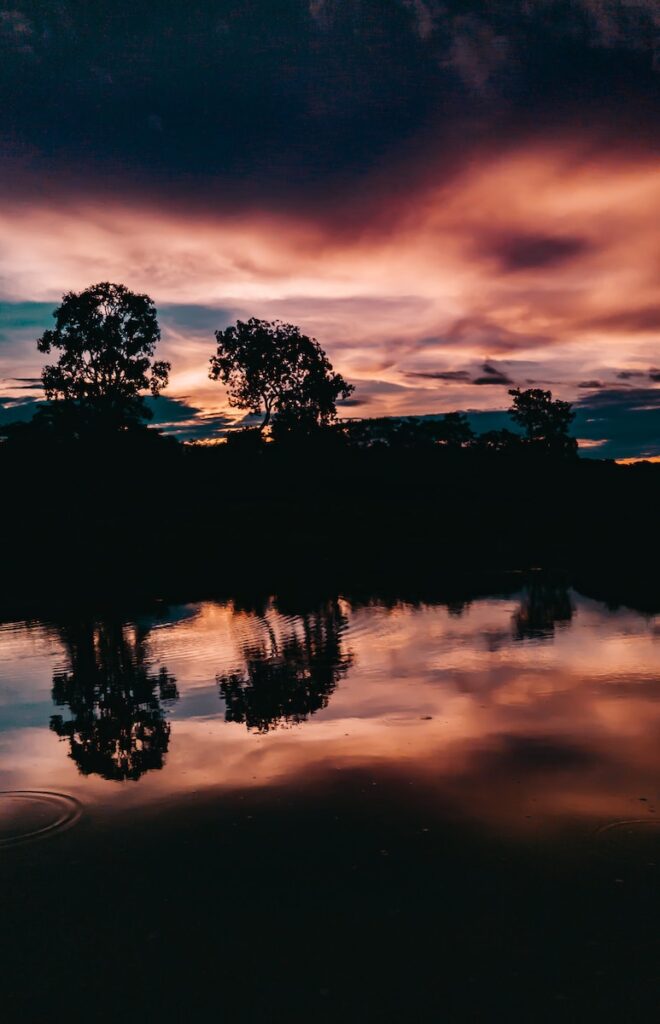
x,y
561,725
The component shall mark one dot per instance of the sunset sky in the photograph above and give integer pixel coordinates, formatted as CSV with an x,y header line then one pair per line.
x,y
453,197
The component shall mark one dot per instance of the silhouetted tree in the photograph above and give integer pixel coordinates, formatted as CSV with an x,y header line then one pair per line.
x,y
246,440
454,430
117,727
545,420
106,337
288,681
274,370
499,441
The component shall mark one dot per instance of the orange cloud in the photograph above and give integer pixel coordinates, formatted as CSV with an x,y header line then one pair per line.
x,y
543,257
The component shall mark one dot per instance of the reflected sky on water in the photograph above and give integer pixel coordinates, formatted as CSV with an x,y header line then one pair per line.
x,y
520,712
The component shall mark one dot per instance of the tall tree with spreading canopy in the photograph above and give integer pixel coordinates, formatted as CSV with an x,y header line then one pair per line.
x,y
106,336
274,370
546,421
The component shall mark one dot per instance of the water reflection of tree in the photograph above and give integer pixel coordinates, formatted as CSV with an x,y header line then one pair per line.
x,y
544,604
285,681
117,727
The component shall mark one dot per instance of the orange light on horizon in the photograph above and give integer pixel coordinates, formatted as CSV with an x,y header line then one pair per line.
x,y
641,458
541,259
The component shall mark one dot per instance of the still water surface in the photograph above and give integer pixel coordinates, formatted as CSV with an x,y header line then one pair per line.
x,y
464,795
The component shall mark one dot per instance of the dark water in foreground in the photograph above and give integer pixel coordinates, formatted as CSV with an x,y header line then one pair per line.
x,y
334,812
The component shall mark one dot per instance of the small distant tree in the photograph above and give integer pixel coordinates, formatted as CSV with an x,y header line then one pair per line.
x,y
273,370
106,337
546,421
499,441
454,430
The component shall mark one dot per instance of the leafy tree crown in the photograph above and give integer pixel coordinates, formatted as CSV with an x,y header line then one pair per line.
x,y
542,417
106,336
273,369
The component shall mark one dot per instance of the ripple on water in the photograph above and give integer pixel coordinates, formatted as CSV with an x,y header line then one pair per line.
x,y
633,841
28,815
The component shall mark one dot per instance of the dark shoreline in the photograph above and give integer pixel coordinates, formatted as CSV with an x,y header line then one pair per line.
x,y
142,521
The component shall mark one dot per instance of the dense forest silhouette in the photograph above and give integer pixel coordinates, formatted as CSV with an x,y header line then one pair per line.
x,y
97,501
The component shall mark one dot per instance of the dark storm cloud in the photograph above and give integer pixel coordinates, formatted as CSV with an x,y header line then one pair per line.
x,y
350,403
156,92
425,14
477,52
653,374
492,375
528,252
591,384
625,24
500,379
630,398
216,102
16,32
446,375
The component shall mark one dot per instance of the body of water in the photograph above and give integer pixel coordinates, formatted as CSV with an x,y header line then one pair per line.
x,y
333,809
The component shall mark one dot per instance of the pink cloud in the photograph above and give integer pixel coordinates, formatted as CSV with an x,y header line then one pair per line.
x,y
545,255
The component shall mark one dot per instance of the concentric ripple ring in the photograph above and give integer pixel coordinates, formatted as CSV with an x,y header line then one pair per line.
x,y
634,825
27,815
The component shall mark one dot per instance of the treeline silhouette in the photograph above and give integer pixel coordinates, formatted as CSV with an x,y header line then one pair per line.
x,y
95,501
